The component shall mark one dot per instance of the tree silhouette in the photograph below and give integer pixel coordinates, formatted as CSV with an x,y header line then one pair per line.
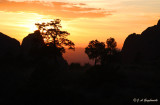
x,y
54,37
94,50
111,53
111,45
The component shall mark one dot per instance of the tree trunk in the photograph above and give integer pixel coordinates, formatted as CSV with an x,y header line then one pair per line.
x,y
55,51
95,62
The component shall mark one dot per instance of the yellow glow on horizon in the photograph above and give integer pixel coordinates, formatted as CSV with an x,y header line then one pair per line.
x,y
82,30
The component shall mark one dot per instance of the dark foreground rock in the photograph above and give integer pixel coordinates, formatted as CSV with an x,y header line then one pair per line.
x,y
143,48
9,47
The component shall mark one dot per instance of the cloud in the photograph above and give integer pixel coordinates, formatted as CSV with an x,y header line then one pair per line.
x,y
57,9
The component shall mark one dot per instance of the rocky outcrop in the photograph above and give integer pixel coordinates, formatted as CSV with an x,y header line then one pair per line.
x,y
9,47
31,45
34,49
142,48
42,59
130,48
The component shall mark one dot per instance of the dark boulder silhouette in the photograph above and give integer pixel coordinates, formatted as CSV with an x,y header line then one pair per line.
x,y
9,47
9,76
31,45
142,48
36,51
130,48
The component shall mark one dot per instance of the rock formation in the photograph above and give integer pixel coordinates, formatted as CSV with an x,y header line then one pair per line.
x,y
142,48
31,45
34,49
9,47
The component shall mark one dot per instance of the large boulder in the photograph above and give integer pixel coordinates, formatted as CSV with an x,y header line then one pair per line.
x,y
31,45
34,49
131,48
142,48
9,68
9,47
42,60
150,43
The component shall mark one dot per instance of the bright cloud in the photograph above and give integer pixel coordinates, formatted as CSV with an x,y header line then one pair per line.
x,y
57,9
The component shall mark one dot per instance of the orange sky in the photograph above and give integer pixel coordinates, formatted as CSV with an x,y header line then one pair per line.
x,y
85,20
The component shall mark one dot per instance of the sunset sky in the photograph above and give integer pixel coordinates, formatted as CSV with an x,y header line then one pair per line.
x,y
85,20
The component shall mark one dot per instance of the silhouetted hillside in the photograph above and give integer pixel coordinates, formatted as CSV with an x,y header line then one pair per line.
x,y
9,47
143,48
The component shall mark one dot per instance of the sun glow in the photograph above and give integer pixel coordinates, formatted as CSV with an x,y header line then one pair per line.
x,y
33,28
